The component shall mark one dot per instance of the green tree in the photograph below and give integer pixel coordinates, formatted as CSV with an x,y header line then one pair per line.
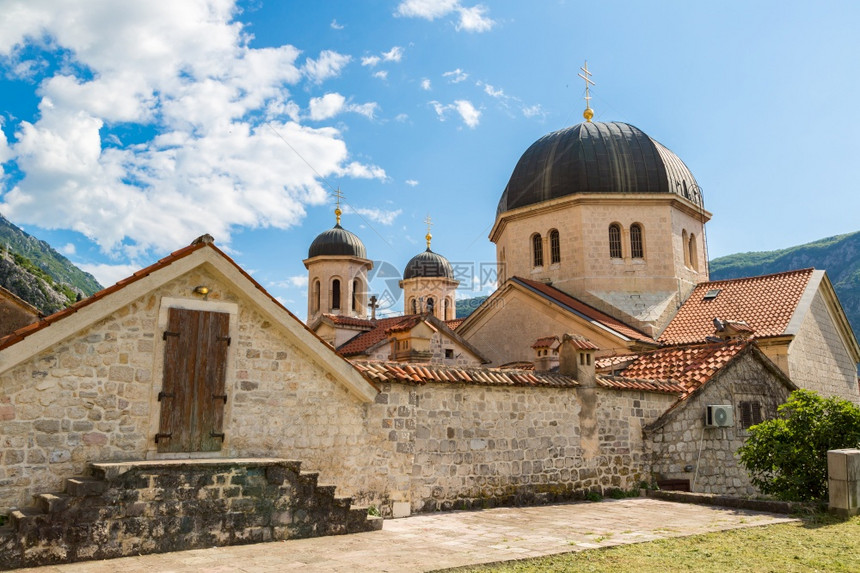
x,y
787,457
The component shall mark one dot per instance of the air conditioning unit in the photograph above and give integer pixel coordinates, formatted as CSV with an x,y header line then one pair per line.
x,y
719,416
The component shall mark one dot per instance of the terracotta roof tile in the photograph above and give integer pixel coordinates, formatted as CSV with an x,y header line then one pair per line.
x,y
341,320
688,366
377,372
377,334
765,303
453,324
622,383
545,342
580,307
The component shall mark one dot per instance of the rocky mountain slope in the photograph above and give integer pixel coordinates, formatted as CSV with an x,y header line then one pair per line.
x,y
37,273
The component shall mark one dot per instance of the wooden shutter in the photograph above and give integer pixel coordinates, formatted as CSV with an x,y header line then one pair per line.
x,y
193,391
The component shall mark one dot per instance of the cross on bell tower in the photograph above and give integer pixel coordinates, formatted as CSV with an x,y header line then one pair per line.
x,y
586,75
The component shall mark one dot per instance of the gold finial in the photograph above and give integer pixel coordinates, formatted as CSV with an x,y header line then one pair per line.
x,y
428,236
337,212
588,113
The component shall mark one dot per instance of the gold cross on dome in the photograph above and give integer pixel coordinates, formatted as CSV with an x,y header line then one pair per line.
x,y
338,196
588,113
429,223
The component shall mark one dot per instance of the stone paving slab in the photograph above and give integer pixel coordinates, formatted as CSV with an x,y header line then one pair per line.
x,y
438,540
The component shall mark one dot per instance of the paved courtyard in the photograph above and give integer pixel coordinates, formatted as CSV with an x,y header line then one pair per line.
x,y
439,540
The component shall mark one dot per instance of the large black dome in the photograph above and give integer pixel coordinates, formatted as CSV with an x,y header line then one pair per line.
x,y
339,242
428,265
596,157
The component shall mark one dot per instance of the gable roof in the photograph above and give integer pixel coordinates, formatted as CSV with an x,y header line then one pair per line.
x,y
20,302
583,310
30,340
423,373
383,329
768,304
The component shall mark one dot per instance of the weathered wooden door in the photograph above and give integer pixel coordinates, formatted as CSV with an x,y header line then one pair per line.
x,y
193,391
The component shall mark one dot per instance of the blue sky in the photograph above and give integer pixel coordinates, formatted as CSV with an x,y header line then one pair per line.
x,y
129,128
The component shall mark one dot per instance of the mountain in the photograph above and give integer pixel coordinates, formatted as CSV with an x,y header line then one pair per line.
x,y
465,306
839,256
37,273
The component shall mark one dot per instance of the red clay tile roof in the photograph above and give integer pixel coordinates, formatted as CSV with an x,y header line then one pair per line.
x,y
580,342
341,320
453,324
579,307
610,363
407,373
622,383
766,303
545,342
380,332
690,366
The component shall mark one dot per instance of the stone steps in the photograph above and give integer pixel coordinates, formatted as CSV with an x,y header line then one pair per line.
x,y
152,506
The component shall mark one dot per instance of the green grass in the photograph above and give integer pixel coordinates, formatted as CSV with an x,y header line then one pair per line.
x,y
818,543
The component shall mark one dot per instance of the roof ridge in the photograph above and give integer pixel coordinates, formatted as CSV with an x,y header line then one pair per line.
x,y
754,277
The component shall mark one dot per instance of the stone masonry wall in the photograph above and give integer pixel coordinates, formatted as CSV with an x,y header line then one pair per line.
x,y
475,446
93,397
818,359
685,441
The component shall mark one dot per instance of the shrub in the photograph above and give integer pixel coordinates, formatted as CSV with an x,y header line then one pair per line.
x,y
787,457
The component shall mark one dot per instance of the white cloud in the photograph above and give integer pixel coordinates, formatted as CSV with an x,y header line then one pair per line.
x,y
326,106
108,275
425,84
335,26
411,182
368,110
468,113
395,54
427,9
68,249
456,76
381,74
472,19
380,216
401,117
491,91
227,150
328,65
298,281
370,60
533,111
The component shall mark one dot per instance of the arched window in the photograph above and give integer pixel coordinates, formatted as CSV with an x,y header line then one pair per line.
x,y
414,306
430,305
447,309
694,256
537,250
685,247
636,249
315,296
615,241
335,294
554,247
355,293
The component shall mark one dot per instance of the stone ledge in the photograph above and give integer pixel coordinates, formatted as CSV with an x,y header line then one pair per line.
x,y
112,470
771,506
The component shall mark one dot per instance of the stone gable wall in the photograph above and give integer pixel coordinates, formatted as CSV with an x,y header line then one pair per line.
x,y
685,441
818,359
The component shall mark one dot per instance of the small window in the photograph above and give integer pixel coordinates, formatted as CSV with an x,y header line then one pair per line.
x,y
355,289
750,414
615,241
537,250
711,294
636,249
449,353
430,305
694,256
447,309
554,247
685,247
316,296
335,294
414,306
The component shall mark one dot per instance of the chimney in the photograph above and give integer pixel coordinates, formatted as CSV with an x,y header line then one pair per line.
x,y
546,353
576,359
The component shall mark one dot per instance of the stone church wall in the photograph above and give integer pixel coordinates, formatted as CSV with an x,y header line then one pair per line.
x,y
818,359
684,449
